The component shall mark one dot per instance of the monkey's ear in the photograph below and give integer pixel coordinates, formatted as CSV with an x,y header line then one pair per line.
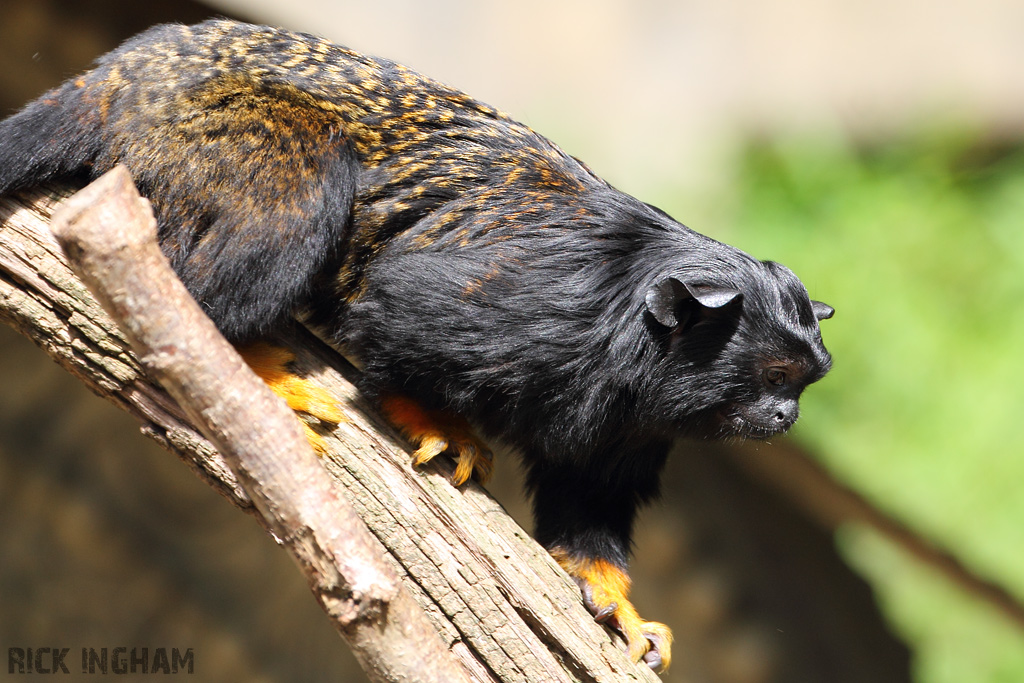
x,y
663,299
822,311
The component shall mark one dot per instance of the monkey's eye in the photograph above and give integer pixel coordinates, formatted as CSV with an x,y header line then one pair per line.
x,y
775,376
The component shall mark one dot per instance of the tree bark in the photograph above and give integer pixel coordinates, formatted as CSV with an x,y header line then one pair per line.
x,y
109,234
497,600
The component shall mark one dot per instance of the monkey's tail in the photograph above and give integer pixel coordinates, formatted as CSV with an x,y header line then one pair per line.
x,y
56,136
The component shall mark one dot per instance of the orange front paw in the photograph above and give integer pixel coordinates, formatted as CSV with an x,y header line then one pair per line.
x,y
605,589
434,432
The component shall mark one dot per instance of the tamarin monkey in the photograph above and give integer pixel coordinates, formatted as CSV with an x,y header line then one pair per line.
x,y
480,275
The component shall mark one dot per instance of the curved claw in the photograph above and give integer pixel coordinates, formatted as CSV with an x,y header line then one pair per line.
x,y
653,659
649,641
474,458
430,444
602,613
659,638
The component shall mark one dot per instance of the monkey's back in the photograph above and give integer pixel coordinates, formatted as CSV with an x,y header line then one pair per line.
x,y
252,140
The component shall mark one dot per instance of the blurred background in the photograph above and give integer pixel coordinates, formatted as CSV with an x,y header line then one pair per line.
x,y
874,147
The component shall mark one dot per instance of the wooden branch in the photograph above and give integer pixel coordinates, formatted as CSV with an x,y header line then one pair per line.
x,y
498,601
108,233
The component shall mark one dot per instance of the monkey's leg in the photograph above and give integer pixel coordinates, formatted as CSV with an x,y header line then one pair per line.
x,y
434,432
271,364
585,519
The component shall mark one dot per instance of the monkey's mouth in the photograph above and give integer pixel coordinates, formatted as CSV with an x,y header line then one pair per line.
x,y
733,423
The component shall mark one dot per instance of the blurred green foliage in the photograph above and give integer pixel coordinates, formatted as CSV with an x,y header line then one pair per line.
x,y
919,245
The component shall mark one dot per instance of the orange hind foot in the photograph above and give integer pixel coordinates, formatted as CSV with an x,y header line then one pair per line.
x,y
434,432
271,363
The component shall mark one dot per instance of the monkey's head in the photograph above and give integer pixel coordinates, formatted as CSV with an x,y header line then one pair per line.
x,y
740,344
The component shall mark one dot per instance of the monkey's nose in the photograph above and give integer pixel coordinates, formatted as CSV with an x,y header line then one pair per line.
x,y
786,415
